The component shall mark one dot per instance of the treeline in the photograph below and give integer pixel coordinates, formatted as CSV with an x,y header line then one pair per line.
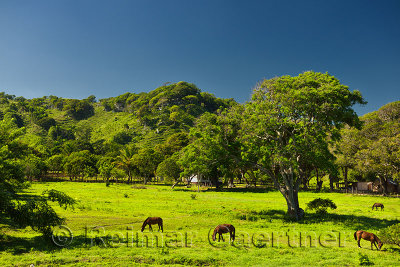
x,y
58,132
373,151
176,143
292,130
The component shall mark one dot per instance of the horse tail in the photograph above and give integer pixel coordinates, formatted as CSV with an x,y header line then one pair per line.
x,y
144,223
355,235
214,233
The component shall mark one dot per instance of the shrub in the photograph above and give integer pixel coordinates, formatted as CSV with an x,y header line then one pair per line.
x,y
320,205
364,260
391,234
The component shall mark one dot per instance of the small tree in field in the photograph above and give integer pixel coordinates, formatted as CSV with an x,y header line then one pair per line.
x,y
169,170
320,205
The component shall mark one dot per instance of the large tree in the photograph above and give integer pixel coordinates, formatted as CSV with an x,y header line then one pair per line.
x,y
293,119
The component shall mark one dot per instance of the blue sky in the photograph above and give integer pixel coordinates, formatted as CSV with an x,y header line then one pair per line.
x,y
74,49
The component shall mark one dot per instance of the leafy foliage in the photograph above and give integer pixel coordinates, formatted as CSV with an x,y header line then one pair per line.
x,y
79,109
374,150
391,235
293,122
320,205
24,210
169,169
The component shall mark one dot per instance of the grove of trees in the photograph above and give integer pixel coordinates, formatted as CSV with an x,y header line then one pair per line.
x,y
292,130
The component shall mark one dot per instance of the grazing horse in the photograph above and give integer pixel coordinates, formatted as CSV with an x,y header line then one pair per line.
x,y
153,220
368,236
224,228
377,205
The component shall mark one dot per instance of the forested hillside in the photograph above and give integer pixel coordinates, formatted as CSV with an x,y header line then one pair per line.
x,y
84,137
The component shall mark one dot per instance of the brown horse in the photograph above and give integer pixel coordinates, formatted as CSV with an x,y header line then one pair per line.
x,y
368,236
153,220
224,228
377,205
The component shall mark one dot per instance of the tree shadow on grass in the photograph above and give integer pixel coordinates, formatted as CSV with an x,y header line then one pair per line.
x,y
20,245
358,222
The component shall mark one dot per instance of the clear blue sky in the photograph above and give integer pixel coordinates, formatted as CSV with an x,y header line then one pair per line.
x,y
74,49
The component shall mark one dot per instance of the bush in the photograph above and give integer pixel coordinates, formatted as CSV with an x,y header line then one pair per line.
x,y
320,205
391,235
364,260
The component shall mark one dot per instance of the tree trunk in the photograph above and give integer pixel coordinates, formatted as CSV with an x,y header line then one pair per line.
x,y
346,184
290,193
289,189
304,181
230,183
331,182
292,200
253,177
319,184
244,178
177,182
384,184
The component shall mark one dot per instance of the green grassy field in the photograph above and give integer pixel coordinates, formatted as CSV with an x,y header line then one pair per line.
x,y
106,229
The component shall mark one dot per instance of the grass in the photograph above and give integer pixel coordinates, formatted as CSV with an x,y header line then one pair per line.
x,y
105,218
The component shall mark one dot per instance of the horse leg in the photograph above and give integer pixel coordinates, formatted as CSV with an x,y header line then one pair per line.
x,y
375,245
150,228
358,242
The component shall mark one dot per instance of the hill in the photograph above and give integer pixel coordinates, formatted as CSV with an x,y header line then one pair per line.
x,y
143,119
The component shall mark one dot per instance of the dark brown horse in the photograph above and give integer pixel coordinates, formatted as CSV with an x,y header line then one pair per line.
x,y
153,220
368,236
377,205
222,229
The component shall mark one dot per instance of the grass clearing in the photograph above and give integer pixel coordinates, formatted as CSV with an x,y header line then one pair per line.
x,y
106,229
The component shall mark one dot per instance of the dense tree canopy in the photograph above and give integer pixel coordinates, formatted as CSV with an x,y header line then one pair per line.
x,y
288,132
292,121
